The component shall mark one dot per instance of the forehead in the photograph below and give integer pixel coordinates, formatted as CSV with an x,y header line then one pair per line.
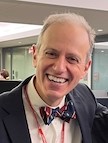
x,y
65,31
67,39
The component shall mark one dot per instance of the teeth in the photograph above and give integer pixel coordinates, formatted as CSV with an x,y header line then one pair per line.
x,y
55,79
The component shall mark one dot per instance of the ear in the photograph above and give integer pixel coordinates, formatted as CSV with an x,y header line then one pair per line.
x,y
34,55
86,67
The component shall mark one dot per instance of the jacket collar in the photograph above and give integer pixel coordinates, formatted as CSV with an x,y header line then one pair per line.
x,y
14,118
83,113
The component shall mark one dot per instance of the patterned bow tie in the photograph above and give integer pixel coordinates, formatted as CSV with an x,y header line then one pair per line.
x,y
66,113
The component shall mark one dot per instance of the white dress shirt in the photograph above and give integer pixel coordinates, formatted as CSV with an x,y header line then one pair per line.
x,y
52,132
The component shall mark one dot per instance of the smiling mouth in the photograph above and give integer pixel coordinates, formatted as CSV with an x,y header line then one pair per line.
x,y
56,79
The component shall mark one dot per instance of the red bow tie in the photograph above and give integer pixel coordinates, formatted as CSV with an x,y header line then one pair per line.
x,y
66,113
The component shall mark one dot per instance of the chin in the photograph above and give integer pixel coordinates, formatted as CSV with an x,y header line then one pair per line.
x,y
55,94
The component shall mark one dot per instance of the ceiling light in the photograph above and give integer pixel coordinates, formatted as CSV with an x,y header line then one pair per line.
x,y
99,30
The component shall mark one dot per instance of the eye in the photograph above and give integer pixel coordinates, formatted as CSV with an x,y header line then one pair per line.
x,y
73,60
51,54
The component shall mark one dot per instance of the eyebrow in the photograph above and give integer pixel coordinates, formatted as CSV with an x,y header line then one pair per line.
x,y
50,49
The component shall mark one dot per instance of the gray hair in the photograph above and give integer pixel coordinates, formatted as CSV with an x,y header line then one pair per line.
x,y
68,17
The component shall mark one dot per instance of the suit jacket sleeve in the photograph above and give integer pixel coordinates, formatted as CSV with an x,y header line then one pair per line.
x,y
100,125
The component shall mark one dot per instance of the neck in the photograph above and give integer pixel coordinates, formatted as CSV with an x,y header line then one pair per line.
x,y
53,102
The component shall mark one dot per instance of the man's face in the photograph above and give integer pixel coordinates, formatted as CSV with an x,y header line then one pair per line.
x,y
61,61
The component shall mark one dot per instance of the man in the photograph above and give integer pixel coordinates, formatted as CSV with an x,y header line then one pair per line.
x,y
61,58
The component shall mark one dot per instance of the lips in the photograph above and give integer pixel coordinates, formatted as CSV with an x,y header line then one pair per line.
x,y
56,79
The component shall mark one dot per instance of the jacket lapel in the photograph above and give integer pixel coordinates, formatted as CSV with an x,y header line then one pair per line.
x,y
83,120
15,119
17,128
82,116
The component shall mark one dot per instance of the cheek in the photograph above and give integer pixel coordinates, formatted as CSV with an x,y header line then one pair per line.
x,y
83,72
40,66
77,72
36,61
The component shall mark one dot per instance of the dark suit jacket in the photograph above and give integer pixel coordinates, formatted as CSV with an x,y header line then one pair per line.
x,y
13,123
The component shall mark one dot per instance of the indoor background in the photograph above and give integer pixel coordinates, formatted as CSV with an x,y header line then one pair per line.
x,y
15,47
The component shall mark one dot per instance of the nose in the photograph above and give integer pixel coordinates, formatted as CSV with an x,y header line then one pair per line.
x,y
60,65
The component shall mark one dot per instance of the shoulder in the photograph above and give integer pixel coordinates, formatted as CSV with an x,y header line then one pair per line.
x,y
82,96
82,88
84,92
12,94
